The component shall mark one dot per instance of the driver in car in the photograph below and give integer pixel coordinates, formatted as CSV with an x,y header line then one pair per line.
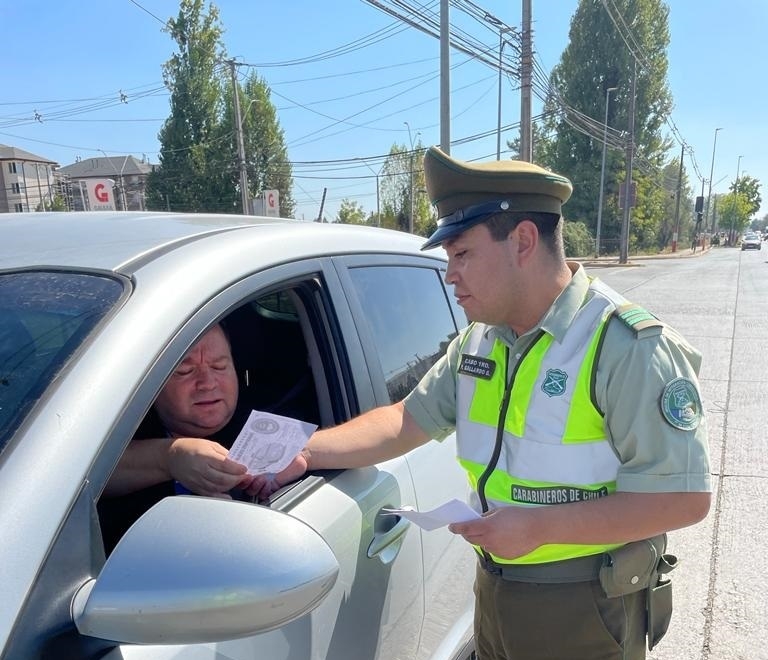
x,y
182,445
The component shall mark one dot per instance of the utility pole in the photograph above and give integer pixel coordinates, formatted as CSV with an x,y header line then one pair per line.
x,y
602,172
378,197
679,194
240,144
445,78
526,150
624,247
498,114
322,204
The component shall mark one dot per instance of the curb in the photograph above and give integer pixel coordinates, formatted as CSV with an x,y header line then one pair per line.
x,y
612,262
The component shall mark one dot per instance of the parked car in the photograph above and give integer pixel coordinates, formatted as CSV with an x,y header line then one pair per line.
x,y
96,310
751,241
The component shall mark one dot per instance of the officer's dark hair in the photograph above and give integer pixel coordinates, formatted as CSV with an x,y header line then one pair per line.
x,y
548,224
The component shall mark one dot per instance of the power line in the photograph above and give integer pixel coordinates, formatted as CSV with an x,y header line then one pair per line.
x,y
144,9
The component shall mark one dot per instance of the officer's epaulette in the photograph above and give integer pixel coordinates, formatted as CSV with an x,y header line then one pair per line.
x,y
636,317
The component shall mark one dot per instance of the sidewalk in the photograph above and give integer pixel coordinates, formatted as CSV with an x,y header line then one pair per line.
x,y
613,260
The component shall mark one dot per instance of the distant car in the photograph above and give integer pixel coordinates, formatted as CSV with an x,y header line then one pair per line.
x,y
96,310
751,241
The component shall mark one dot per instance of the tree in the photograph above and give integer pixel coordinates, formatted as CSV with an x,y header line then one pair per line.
x,y
199,161
577,240
190,176
351,213
58,203
266,156
595,59
541,146
749,188
734,209
402,179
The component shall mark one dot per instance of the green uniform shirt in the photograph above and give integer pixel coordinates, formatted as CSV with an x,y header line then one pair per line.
x,y
633,369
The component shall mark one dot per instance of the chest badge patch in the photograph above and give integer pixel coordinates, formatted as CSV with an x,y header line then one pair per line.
x,y
554,382
478,367
681,404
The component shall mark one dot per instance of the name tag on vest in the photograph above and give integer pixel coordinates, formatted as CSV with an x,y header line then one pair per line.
x,y
471,365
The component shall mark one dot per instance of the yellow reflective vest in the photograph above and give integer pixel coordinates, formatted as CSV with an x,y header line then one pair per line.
x,y
528,431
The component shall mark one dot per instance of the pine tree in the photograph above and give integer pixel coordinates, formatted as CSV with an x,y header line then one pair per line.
x,y
605,41
189,139
199,162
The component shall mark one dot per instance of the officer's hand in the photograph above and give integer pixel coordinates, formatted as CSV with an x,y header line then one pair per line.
x,y
264,485
507,532
202,466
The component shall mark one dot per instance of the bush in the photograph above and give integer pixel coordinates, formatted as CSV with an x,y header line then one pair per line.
x,y
577,239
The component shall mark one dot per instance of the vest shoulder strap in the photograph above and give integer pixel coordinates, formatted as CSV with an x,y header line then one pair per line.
x,y
636,317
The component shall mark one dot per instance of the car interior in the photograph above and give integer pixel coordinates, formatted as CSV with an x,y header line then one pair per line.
x,y
280,370
271,357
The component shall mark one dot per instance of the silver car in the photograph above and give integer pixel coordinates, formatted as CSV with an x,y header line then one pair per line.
x,y
751,241
96,309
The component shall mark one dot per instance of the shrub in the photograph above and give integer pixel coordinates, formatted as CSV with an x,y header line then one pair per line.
x,y
577,239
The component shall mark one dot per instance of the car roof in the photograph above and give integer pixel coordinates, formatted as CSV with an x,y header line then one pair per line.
x,y
124,241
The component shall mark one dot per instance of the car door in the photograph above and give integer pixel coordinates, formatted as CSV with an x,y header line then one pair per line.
x,y
376,607
373,611
406,320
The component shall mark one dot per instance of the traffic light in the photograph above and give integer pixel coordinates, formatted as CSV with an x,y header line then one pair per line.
x,y
699,208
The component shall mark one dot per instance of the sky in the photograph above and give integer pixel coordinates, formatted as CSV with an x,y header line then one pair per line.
x,y
83,78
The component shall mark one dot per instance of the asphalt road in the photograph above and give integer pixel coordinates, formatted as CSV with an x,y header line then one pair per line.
x,y
719,301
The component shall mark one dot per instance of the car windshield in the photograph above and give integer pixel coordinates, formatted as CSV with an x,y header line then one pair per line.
x,y
44,317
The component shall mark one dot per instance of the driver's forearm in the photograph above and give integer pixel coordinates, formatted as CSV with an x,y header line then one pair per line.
x,y
144,463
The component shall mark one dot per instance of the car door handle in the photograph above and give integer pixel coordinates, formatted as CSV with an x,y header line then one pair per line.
x,y
386,544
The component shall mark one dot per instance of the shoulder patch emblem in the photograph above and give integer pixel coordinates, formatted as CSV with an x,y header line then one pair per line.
x,y
636,317
681,404
554,382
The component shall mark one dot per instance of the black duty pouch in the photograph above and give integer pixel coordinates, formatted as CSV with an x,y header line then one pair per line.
x,y
642,565
631,567
659,601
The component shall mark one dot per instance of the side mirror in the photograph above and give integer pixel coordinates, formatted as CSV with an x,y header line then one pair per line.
x,y
201,570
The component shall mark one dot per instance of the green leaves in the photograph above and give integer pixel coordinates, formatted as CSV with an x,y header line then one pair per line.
x,y
199,162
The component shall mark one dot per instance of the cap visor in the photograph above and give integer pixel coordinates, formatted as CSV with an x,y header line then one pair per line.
x,y
452,231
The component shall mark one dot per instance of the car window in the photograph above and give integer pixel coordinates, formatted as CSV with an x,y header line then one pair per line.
x,y
44,317
271,356
410,318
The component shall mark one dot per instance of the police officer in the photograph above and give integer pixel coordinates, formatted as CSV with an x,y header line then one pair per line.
x,y
578,421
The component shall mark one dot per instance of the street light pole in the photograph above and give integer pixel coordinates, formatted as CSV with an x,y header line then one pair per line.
x,y
410,192
711,173
378,203
119,178
738,168
122,185
602,172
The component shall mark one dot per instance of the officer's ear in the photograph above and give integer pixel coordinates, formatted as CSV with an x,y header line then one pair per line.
x,y
526,236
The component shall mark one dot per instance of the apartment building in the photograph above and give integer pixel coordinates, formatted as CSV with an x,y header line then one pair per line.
x,y
27,181
128,173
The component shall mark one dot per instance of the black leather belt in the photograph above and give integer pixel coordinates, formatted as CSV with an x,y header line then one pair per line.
x,y
581,569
